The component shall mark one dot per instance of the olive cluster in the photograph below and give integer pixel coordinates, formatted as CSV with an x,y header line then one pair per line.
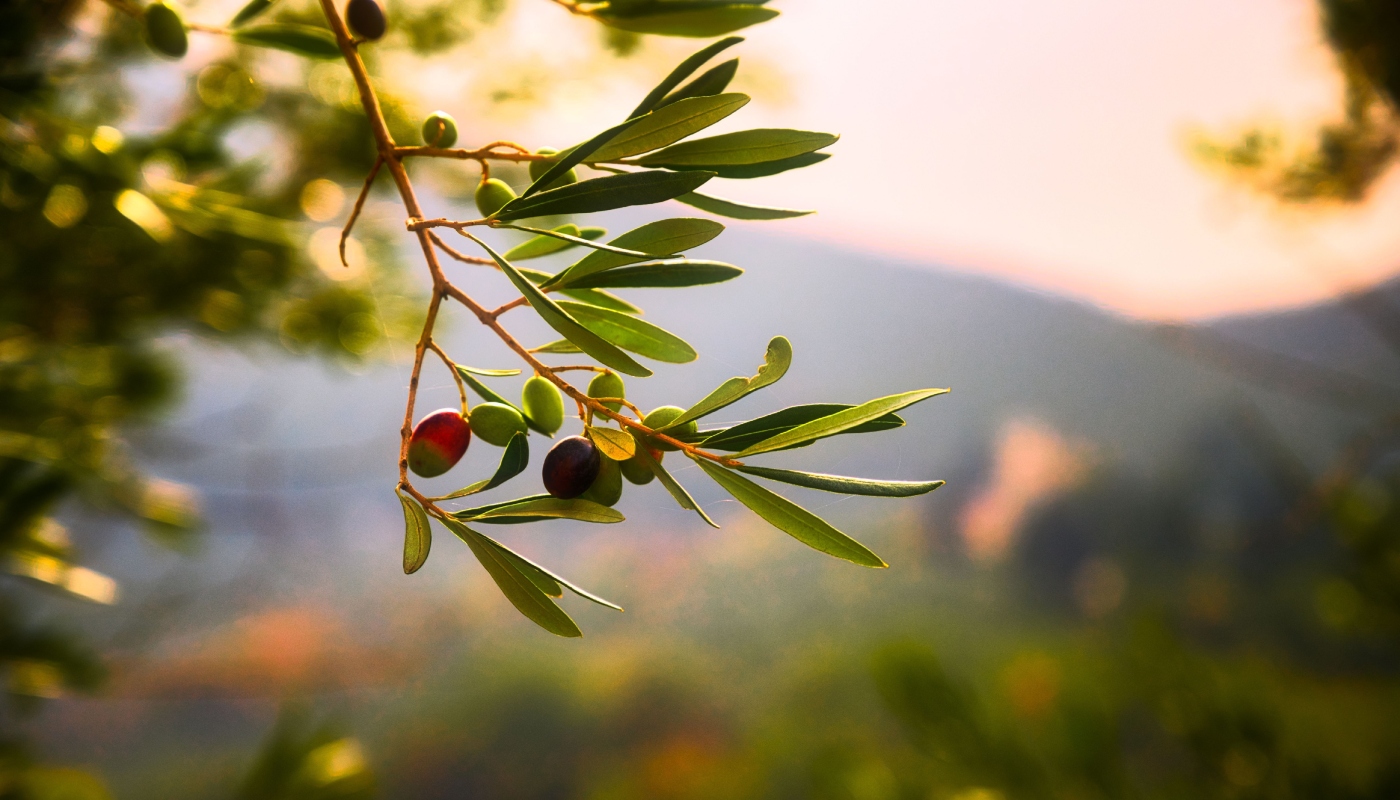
x,y
574,466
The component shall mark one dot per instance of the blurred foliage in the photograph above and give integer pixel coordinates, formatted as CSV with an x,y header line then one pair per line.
x,y
1345,158
303,760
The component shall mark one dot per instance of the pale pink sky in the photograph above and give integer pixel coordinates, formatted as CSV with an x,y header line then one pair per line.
x,y
1042,141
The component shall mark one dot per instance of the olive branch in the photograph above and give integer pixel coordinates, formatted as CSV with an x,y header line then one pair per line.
x,y
648,158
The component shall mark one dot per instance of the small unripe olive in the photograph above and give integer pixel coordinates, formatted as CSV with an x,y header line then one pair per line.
x,y
539,168
496,423
570,467
439,130
607,487
492,195
637,472
607,384
665,415
438,442
366,19
165,31
542,403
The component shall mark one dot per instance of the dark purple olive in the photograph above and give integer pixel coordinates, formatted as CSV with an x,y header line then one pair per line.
x,y
571,467
366,18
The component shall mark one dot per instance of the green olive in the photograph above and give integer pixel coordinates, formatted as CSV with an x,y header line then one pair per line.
x,y
607,487
607,384
492,195
165,31
496,423
663,416
541,402
636,471
539,168
439,130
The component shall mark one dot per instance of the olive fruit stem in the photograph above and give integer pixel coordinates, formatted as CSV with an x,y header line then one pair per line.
x,y
452,368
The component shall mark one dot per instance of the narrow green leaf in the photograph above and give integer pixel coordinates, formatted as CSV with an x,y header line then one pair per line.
x,y
733,210
682,71
491,396
519,589
790,518
615,444
843,485
696,20
664,237
741,147
304,40
605,194
669,125
567,160
513,462
561,347
839,422
775,365
601,299
575,240
542,244
549,582
417,536
763,169
249,12
712,82
467,513
630,333
539,508
665,274
568,327
756,430
489,373
678,492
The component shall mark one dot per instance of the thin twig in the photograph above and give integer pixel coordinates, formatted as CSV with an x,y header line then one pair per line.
x,y
460,256
359,206
487,152
452,368
417,225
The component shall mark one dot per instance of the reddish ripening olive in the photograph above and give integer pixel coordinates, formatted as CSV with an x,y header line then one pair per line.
x,y
366,19
439,130
165,31
496,423
539,168
607,384
492,195
607,487
571,467
541,401
438,442
663,416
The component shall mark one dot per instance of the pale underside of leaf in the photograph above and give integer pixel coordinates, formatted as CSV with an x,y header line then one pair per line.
x,y
841,484
840,421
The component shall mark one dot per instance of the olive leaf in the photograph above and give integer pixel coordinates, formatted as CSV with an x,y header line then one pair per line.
x,y
304,40
792,519
513,462
756,430
630,333
548,582
567,160
574,239
762,169
711,82
561,347
570,328
601,299
668,125
776,361
697,18
543,245
520,589
489,373
249,12
678,492
844,485
537,508
682,71
417,536
833,424
663,274
663,237
605,193
615,444
741,147
733,210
